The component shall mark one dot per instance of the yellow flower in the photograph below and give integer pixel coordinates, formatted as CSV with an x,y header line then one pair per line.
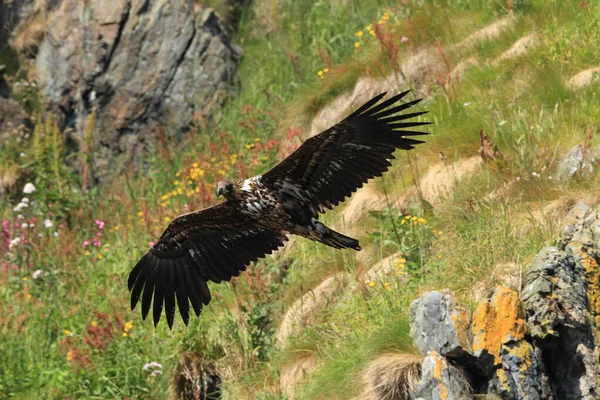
x,y
116,228
140,213
167,219
100,256
440,233
125,334
371,283
250,146
407,217
422,220
320,73
176,182
387,286
358,34
257,139
356,45
25,278
128,326
385,17
195,165
326,70
67,332
402,222
28,296
178,174
87,253
179,190
414,218
69,356
94,323
213,159
380,22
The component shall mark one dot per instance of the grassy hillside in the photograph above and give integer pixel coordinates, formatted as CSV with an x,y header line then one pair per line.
x,y
65,324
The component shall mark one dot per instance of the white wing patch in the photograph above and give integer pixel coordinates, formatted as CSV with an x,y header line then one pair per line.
x,y
250,182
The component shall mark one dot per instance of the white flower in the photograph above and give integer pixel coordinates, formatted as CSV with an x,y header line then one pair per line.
x,y
535,174
36,274
25,200
156,372
22,155
29,188
550,177
152,364
20,216
55,234
24,225
14,242
48,223
467,104
20,206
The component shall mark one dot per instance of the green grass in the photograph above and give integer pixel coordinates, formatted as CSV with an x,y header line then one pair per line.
x,y
63,333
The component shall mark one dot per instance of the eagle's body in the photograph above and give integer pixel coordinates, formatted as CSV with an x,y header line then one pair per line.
x,y
217,243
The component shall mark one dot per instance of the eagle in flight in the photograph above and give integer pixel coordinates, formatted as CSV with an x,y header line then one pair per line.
x,y
217,243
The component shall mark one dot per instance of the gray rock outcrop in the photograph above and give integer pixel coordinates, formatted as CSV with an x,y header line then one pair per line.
x,y
13,118
125,68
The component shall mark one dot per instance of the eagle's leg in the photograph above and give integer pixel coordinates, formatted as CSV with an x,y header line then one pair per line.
x,y
323,234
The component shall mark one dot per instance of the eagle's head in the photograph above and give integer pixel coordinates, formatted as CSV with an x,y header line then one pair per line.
x,y
224,188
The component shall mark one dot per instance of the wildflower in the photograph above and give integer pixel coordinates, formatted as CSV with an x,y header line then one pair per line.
x,y
467,104
356,45
535,174
86,253
257,139
250,146
94,324
128,326
68,332
36,274
422,220
152,365
380,22
86,243
387,286
124,334
14,242
320,73
407,217
195,165
24,225
20,206
358,34
55,234
385,16
100,224
440,233
140,213
28,296
150,244
371,283
155,373
213,159
404,39
28,188
100,256
167,219
48,224
414,218
326,70
69,355
24,279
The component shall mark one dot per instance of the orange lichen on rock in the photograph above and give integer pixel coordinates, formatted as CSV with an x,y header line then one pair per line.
x,y
499,320
462,323
592,275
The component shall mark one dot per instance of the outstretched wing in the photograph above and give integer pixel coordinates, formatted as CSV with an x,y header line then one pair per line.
x,y
213,244
335,163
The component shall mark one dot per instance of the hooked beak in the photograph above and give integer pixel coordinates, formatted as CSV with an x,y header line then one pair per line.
x,y
219,192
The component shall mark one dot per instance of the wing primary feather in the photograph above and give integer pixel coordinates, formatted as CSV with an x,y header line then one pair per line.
x,y
159,291
192,291
170,288
147,297
401,125
401,117
397,109
386,103
367,105
147,264
181,293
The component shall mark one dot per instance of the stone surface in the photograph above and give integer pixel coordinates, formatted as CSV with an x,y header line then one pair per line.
x,y
584,78
556,304
294,373
440,380
499,340
574,162
439,323
135,65
13,118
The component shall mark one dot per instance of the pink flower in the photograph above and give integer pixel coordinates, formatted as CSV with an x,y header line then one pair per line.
x,y
150,244
86,243
100,224
404,39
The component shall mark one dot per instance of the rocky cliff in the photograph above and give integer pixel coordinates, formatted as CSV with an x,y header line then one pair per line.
x,y
114,72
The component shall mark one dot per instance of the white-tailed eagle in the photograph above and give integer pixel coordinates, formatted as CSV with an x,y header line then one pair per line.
x,y
217,243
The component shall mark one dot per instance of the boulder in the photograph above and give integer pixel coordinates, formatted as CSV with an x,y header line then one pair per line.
x,y
438,322
119,70
440,380
13,119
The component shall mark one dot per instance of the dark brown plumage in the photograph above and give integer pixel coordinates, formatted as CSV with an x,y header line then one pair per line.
x,y
218,242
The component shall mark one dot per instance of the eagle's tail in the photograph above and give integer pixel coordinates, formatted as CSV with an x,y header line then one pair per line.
x,y
334,239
